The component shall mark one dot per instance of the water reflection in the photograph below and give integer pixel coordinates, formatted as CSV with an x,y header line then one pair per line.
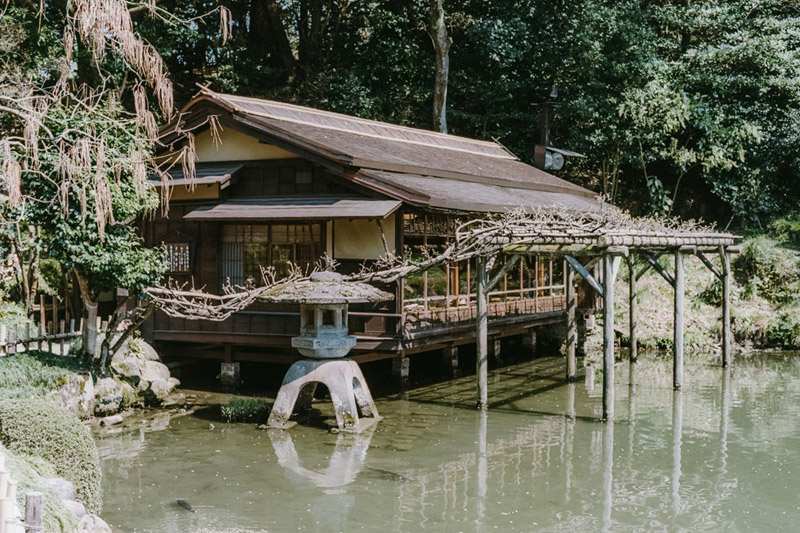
x,y
722,453
677,445
346,461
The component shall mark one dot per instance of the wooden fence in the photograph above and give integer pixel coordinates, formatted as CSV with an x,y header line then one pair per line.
x,y
11,520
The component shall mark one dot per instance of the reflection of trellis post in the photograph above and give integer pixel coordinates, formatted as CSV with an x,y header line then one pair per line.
x,y
677,444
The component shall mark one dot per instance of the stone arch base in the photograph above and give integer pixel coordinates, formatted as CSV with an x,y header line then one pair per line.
x,y
348,389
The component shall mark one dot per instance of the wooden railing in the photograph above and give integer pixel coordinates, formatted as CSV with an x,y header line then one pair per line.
x,y
45,336
416,319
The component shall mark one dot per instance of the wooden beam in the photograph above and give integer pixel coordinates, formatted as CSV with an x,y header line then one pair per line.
x,y
550,249
677,369
645,269
710,265
580,269
572,324
664,274
727,355
482,333
503,271
633,311
608,338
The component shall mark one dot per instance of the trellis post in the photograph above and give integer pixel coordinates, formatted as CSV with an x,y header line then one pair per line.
x,y
572,324
609,273
726,308
482,333
633,311
677,370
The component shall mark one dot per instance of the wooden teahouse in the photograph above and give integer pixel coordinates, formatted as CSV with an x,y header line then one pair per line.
x,y
276,183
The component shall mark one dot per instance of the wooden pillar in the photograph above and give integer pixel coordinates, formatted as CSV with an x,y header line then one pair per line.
x,y
425,273
572,323
608,337
482,332
497,351
633,311
677,369
450,360
727,356
401,368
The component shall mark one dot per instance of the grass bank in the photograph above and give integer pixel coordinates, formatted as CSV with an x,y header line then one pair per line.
x,y
765,306
44,441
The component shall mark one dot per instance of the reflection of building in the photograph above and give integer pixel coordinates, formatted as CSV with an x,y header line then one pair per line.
x,y
289,183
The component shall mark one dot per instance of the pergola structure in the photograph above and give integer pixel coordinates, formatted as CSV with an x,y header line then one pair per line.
x,y
584,240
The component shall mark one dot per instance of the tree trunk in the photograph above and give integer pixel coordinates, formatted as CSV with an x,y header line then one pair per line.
x,y
279,38
89,332
135,317
437,30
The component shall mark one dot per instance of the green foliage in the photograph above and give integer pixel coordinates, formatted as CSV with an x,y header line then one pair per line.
x,y
786,229
27,470
31,374
12,314
767,270
107,256
39,428
784,329
246,410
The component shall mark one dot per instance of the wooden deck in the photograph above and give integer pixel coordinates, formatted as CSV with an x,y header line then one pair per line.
x,y
380,334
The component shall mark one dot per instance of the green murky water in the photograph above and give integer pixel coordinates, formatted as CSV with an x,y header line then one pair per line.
x,y
724,454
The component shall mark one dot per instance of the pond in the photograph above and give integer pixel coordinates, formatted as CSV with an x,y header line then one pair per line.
x,y
724,454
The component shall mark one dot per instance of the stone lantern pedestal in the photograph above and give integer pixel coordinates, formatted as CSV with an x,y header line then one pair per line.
x,y
324,342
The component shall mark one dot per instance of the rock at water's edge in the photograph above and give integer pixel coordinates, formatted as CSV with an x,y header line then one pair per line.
x,y
77,395
93,524
108,397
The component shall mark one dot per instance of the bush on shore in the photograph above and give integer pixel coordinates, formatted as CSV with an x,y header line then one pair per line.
x,y
32,374
246,410
27,471
39,428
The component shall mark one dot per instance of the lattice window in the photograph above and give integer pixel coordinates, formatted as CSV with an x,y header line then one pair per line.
x,y
178,257
247,248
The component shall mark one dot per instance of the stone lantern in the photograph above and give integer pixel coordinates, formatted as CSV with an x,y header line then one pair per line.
x,y
324,342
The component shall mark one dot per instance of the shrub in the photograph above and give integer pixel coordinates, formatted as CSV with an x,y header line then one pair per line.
x,y
27,470
34,373
12,314
786,229
784,329
246,410
39,428
765,269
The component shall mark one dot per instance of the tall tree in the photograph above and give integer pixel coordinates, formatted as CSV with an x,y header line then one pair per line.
x,y
442,40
